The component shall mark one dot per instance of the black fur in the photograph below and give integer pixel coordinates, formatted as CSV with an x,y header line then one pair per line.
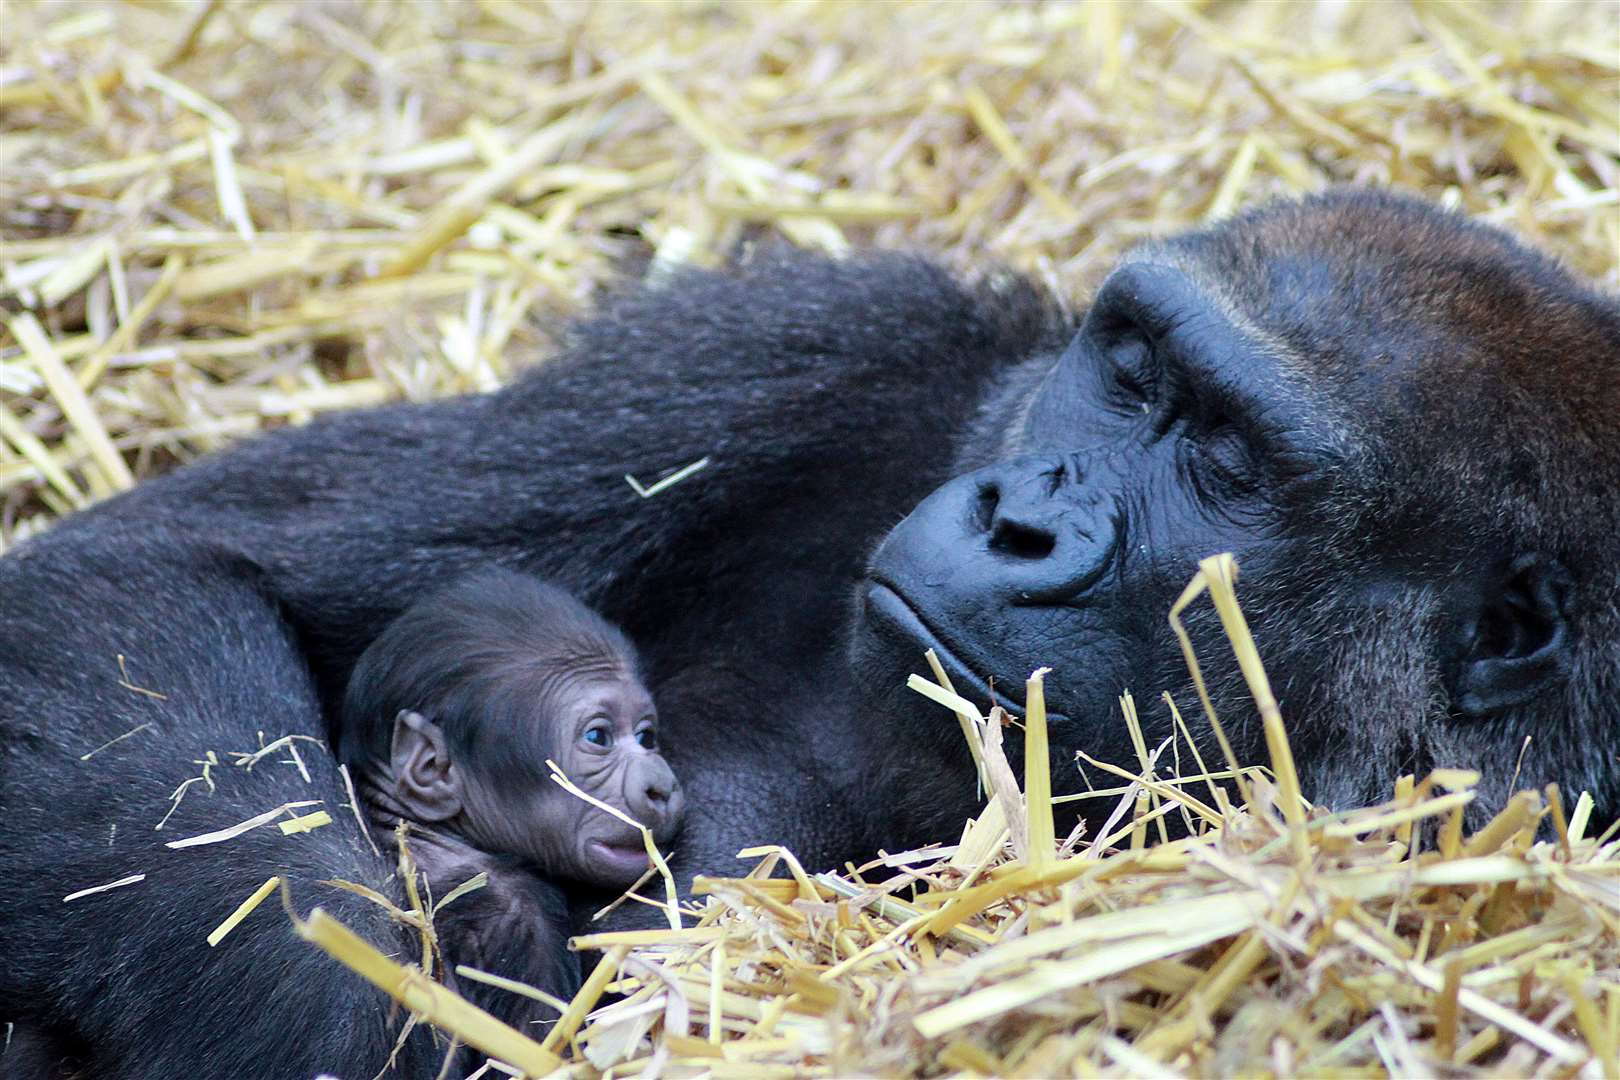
x,y
532,946
128,975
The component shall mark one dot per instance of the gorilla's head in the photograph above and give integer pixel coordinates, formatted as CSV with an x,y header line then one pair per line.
x,y
1405,426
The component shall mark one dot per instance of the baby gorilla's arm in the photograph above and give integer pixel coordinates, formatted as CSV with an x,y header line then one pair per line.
x,y
516,926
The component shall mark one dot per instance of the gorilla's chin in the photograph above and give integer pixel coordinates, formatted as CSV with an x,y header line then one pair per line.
x,y
887,645
908,735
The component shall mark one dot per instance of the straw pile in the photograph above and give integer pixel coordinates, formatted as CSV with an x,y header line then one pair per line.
x,y
1273,938
220,217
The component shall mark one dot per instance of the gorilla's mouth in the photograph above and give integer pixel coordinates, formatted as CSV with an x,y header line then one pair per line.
x,y
621,857
887,604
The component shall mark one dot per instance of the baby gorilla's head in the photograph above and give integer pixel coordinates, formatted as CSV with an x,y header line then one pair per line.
x,y
452,712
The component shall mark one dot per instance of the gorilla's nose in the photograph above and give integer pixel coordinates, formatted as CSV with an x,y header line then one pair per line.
x,y
1032,531
654,794
1038,522
1017,514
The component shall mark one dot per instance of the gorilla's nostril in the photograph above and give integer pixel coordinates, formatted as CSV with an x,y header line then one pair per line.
x,y
1021,541
657,797
984,508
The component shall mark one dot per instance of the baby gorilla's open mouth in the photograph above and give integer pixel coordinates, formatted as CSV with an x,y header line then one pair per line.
x,y
624,857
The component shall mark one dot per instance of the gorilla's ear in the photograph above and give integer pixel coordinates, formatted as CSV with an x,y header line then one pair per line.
x,y
1519,649
426,781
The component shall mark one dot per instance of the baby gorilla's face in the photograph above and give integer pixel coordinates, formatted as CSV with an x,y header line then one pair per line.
x,y
602,731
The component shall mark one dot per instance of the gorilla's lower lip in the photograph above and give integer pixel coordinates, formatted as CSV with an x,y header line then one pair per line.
x,y
620,855
891,604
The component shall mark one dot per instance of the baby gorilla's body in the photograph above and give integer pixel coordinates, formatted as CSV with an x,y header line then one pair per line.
x,y
447,724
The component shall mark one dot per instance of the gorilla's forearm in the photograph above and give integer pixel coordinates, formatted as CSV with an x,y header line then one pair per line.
x,y
791,375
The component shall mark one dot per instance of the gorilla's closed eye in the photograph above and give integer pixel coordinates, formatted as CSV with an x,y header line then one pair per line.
x,y
1132,371
1225,459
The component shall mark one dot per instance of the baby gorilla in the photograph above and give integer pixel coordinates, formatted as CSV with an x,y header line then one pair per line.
x,y
447,723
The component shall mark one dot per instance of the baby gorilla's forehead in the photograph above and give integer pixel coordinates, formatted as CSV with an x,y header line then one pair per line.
x,y
572,701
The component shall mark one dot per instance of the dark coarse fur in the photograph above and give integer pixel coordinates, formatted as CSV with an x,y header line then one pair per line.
x,y
830,398
243,587
126,977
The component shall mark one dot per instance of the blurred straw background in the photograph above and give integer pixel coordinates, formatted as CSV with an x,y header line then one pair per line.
x,y
218,216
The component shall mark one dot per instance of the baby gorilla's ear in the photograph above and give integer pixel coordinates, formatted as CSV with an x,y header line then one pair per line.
x,y
426,781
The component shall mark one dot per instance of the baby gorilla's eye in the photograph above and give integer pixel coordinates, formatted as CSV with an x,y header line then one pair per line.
x,y
647,738
599,735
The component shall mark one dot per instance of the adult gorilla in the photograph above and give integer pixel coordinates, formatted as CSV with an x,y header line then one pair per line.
x,y
1407,427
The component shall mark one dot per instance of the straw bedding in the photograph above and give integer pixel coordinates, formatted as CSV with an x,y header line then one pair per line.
x,y
220,217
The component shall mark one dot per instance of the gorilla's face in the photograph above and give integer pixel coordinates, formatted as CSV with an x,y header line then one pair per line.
x,y
1370,403
1160,436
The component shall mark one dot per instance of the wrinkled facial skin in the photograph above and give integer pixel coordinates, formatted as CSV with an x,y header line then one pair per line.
x,y
602,731
1159,437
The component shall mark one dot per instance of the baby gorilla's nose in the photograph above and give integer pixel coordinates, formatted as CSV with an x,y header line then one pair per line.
x,y
653,793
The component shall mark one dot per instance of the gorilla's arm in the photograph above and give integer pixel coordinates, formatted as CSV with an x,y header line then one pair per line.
x,y
827,396
515,927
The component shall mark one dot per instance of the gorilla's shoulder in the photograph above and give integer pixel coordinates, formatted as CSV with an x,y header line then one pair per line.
x,y
874,308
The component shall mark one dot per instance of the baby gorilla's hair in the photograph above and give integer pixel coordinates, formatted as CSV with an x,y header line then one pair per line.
x,y
475,657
